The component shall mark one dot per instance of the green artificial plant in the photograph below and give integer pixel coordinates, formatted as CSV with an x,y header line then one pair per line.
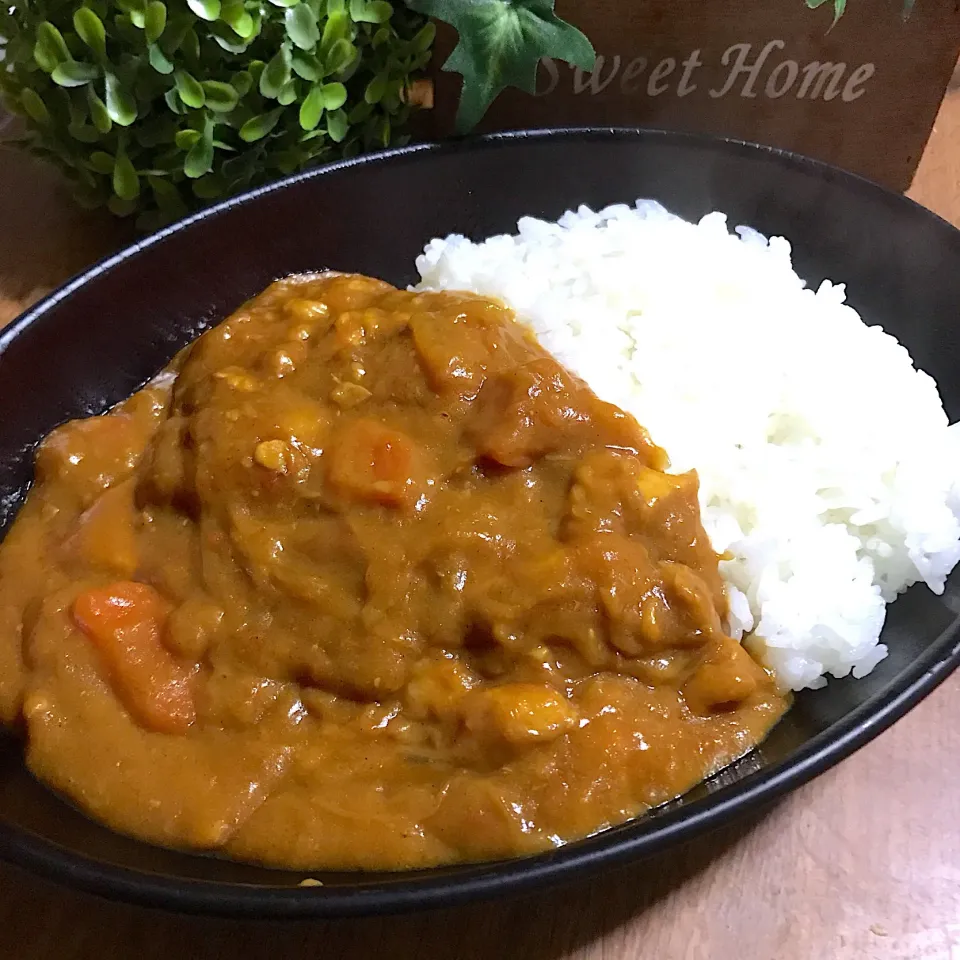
x,y
154,107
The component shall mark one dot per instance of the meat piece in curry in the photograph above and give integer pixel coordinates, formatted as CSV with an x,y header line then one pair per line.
x,y
367,580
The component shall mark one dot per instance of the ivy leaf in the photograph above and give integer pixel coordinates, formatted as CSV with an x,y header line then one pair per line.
x,y
501,43
838,8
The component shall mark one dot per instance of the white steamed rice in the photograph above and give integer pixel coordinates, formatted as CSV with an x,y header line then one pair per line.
x,y
828,471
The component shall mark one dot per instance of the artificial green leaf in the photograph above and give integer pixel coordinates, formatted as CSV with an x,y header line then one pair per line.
x,y
199,159
209,188
424,37
227,39
376,88
34,106
220,97
154,20
306,65
334,95
175,33
99,113
501,43
121,208
236,16
302,26
101,162
360,112
191,46
370,11
276,74
90,30
191,93
126,183
126,31
167,196
339,56
242,82
288,93
185,139
158,60
83,132
337,126
907,9
336,28
146,63
312,108
838,7
205,9
133,8
50,49
258,127
121,104
173,101
72,73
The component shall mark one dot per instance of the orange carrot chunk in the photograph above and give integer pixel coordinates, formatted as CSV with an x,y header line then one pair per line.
x,y
125,623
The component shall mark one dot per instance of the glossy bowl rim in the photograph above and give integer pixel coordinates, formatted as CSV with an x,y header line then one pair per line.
x,y
608,848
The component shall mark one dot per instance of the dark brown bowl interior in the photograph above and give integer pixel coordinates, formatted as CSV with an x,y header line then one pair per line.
x,y
100,337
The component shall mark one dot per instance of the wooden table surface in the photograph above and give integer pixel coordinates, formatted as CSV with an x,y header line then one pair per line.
x,y
862,863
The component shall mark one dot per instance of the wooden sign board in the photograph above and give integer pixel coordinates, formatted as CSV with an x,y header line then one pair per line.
x,y
862,94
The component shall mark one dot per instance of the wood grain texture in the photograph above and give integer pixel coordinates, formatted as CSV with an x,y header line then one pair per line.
x,y
862,863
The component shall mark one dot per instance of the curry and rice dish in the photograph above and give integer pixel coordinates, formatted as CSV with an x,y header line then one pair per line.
x,y
383,579
366,579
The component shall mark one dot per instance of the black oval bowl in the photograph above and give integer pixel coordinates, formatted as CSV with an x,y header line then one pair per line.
x,y
98,338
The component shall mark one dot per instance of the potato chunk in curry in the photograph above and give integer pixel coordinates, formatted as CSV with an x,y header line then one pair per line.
x,y
366,579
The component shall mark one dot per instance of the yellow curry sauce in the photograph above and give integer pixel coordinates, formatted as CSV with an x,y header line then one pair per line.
x,y
367,580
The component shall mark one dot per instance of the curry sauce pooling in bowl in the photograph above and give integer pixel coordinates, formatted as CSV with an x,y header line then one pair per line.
x,y
366,579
